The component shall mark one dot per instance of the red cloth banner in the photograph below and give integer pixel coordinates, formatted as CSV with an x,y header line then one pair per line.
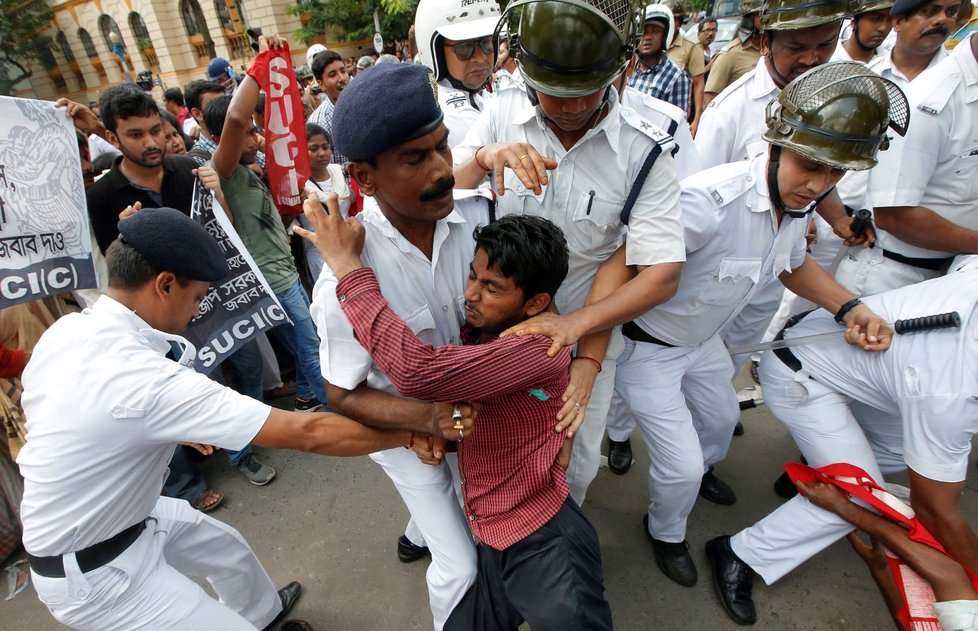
x,y
286,160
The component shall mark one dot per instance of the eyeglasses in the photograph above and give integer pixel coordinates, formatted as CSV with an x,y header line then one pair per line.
x,y
465,50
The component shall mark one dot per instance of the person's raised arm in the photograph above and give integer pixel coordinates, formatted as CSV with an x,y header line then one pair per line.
x,y
83,118
325,433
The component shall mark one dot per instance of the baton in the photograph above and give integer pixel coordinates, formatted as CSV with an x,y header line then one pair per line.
x,y
949,320
859,221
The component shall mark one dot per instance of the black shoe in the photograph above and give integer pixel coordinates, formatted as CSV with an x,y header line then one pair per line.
x,y
673,558
754,371
733,579
784,487
619,456
408,552
739,429
289,595
715,490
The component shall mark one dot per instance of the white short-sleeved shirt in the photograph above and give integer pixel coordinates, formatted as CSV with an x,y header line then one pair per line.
x,y
587,190
426,294
461,109
883,66
105,408
929,379
733,123
671,119
841,54
936,164
734,248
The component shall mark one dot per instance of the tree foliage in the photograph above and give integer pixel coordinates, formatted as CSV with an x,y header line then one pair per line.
x,y
22,39
350,20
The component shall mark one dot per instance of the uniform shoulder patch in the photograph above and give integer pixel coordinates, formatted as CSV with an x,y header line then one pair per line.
x,y
724,187
648,128
937,90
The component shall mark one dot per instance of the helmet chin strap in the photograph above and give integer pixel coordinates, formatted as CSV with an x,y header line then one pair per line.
x,y
855,34
775,191
779,79
531,93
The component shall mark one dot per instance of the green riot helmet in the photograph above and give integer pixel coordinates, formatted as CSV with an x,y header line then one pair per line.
x,y
791,15
858,7
681,10
837,114
749,7
571,48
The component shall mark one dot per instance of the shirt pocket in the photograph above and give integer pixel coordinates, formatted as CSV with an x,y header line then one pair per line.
x,y
963,187
420,320
518,199
755,148
734,279
596,227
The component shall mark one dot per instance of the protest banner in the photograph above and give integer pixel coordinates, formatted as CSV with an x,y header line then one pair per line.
x,y
239,306
45,241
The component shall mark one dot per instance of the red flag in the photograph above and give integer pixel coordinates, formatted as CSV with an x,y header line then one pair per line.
x,y
286,160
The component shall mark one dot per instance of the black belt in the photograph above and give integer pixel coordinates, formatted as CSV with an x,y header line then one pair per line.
x,y
784,354
931,264
635,333
92,557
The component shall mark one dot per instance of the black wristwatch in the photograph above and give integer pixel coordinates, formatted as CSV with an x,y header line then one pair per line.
x,y
846,308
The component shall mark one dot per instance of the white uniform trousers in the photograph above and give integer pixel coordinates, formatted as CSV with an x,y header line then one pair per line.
x,y
822,423
429,494
686,408
865,272
621,422
586,455
146,587
749,325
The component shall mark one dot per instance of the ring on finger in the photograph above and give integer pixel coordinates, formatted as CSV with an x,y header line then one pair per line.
x,y
457,417
523,157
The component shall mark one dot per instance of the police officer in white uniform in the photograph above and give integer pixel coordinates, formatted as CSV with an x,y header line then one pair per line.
x,y
106,407
419,242
572,154
455,40
925,191
868,28
923,392
796,37
745,226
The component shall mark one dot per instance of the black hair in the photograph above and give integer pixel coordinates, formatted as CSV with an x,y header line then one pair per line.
x,y
323,59
175,95
260,105
129,270
215,112
172,120
709,18
530,250
312,129
198,88
124,101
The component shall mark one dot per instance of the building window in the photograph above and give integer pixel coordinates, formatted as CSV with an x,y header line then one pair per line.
x,y
189,10
107,25
65,47
139,30
87,43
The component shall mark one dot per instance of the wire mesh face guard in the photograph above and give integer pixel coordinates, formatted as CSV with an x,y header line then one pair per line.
x,y
807,116
624,18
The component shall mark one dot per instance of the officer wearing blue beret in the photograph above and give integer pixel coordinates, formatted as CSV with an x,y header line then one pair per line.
x,y
106,408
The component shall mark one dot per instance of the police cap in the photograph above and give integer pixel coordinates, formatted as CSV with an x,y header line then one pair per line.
x,y
172,241
901,7
388,106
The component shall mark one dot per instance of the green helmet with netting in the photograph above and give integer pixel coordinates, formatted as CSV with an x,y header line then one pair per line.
x,y
571,48
681,9
749,7
791,15
858,7
837,114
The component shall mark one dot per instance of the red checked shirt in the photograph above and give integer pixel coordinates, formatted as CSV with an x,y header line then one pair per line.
x,y
511,481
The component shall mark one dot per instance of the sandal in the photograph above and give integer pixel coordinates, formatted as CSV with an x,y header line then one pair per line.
x,y
208,501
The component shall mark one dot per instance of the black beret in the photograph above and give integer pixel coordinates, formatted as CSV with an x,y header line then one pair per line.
x,y
906,6
172,241
387,106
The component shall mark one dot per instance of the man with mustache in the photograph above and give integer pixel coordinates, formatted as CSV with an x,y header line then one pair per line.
x,y
455,40
921,27
871,24
419,242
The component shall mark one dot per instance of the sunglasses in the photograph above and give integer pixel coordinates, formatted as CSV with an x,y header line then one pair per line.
x,y
465,50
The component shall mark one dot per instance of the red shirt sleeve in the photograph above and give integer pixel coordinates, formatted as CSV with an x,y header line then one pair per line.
x,y
12,362
442,373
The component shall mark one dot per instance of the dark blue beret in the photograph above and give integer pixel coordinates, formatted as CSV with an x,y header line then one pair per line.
x,y
906,6
172,241
388,105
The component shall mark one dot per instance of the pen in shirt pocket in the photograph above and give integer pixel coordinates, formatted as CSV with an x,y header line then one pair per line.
x,y
590,200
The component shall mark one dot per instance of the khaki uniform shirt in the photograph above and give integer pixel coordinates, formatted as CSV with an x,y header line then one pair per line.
x,y
688,56
734,61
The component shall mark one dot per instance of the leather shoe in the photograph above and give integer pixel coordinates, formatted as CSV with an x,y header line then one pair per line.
x,y
733,579
784,487
715,490
408,552
739,429
289,595
619,456
673,559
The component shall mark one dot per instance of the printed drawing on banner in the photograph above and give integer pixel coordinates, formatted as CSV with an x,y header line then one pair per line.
x,y
239,306
45,241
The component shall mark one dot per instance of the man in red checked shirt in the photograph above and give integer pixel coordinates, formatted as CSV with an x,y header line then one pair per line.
x,y
539,559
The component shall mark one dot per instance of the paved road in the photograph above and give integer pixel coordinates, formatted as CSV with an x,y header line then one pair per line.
x,y
332,523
